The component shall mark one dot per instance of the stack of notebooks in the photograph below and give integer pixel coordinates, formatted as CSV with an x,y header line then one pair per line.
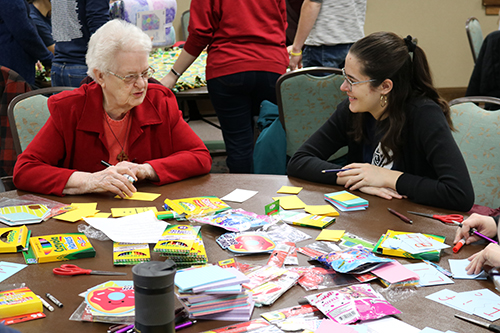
x,y
346,201
182,244
214,293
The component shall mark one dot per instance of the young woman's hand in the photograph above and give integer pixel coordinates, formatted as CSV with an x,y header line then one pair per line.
x,y
490,256
383,192
484,224
364,174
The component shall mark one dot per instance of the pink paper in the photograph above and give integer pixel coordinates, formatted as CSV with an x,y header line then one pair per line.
x,y
328,326
395,272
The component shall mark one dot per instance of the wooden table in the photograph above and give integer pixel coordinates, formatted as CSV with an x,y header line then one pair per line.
x,y
370,224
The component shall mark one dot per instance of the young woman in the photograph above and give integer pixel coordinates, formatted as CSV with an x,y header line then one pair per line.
x,y
397,129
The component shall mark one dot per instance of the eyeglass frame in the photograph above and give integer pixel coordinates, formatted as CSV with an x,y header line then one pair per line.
x,y
346,78
150,70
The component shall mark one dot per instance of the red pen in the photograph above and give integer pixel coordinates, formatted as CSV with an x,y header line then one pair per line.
x,y
401,216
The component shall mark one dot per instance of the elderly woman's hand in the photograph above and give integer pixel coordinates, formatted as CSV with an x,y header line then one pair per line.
x,y
137,171
112,180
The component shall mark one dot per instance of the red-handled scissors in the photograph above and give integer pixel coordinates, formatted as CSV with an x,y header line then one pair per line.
x,y
68,269
449,219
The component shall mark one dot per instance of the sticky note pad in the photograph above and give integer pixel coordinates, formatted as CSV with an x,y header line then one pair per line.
x,y
395,272
81,210
290,189
321,210
188,279
142,196
101,215
330,235
344,196
290,202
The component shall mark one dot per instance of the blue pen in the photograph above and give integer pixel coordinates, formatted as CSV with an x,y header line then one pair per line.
x,y
439,268
334,170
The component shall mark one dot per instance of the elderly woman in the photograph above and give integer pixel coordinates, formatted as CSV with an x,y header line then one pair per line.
x,y
118,119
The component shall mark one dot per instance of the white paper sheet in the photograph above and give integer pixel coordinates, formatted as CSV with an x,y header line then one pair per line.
x,y
138,228
239,195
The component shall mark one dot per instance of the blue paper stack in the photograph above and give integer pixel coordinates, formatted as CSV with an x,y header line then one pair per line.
x,y
346,201
214,293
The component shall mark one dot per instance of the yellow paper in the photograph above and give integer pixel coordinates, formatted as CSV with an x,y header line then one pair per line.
x,y
290,189
330,235
142,196
344,197
120,212
290,202
77,214
85,205
327,210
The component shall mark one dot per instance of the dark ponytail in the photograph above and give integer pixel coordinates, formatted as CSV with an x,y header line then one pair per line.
x,y
385,55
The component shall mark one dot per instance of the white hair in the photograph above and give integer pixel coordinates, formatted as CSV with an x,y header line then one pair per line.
x,y
113,37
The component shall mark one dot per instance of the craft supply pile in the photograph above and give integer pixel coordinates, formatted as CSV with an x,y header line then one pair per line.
x,y
346,278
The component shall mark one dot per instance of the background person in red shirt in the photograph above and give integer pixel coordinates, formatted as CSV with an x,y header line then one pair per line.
x,y
246,55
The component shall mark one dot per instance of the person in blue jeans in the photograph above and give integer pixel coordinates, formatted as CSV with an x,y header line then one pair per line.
x,y
73,22
326,31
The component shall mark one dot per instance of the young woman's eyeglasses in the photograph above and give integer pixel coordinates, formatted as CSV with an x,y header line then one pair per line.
x,y
132,78
351,83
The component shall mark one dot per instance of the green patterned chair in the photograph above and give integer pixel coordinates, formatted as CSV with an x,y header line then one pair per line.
x,y
306,101
477,137
27,114
475,36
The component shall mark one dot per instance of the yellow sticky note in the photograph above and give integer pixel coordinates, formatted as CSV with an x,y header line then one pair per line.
x,y
77,214
330,235
321,210
344,196
119,212
290,189
85,205
290,202
142,196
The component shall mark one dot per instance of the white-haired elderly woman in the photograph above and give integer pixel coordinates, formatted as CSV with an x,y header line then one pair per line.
x,y
118,119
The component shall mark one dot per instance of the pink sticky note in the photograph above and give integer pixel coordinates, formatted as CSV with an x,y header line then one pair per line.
x,y
328,326
395,272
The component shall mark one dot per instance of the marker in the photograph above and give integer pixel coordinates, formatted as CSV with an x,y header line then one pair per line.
x,y
164,215
46,304
54,300
129,177
459,245
115,328
333,170
184,325
477,233
401,216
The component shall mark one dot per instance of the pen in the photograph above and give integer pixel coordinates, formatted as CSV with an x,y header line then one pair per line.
x,y
477,233
439,268
401,216
54,300
184,325
125,329
129,177
46,304
491,327
333,170
115,328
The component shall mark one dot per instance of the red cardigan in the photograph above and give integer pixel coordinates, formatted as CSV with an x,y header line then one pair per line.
x,y
242,35
73,140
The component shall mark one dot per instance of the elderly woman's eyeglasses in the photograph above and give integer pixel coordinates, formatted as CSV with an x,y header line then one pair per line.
x,y
132,78
351,83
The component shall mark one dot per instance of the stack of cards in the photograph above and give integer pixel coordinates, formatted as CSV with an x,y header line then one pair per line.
x,y
346,201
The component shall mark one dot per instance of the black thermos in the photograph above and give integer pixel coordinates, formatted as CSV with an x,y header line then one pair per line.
x,y
154,296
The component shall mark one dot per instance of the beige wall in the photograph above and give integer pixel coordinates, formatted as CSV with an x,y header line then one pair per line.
x,y
439,26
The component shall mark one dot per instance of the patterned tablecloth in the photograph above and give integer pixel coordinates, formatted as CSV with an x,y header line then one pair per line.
x,y
194,77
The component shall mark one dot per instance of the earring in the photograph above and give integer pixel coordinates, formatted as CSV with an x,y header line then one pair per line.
x,y
383,100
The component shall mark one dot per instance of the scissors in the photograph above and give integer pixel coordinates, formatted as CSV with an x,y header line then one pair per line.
x,y
448,219
68,269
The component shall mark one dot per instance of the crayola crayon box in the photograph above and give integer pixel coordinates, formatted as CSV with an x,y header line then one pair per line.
x,y
14,239
58,247
17,302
